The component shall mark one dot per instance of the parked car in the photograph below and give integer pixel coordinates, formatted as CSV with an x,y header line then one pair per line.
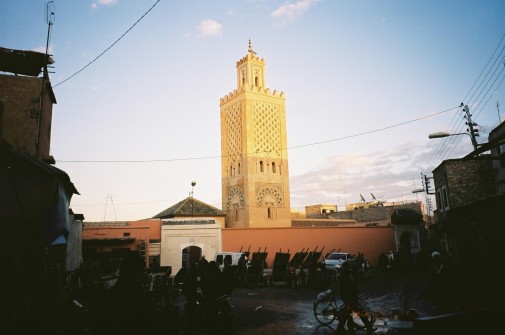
x,y
334,260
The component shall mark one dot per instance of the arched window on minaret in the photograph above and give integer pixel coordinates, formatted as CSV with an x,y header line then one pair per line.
x,y
239,169
261,166
269,213
231,171
274,168
256,81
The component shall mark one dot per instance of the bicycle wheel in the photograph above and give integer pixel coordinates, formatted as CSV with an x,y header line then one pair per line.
x,y
325,312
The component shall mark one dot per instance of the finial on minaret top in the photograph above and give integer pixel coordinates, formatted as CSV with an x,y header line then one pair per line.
x,y
250,49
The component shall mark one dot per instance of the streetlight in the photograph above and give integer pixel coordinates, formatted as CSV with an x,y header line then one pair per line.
x,y
441,134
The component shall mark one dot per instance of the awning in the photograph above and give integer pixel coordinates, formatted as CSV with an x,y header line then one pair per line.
x,y
34,193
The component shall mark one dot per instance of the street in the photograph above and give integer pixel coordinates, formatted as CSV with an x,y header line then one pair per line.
x,y
279,309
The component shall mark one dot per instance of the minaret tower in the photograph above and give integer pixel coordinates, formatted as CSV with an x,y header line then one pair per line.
x,y
254,161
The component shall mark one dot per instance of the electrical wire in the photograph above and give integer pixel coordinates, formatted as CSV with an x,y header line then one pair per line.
x,y
288,148
479,90
110,47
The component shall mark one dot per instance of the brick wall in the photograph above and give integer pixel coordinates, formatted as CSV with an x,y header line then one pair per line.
x,y
20,98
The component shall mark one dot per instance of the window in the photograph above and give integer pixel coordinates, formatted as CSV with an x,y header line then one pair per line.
x,y
236,215
439,200
126,234
231,171
239,171
445,198
273,167
269,213
261,166
256,81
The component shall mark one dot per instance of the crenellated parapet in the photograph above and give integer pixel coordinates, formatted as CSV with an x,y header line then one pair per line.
x,y
250,57
254,89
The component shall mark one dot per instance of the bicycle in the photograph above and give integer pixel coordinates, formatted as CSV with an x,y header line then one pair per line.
x,y
326,309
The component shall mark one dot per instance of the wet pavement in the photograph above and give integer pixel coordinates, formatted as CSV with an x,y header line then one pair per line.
x,y
279,309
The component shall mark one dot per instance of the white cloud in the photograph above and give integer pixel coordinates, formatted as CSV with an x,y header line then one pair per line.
x,y
210,28
108,3
288,12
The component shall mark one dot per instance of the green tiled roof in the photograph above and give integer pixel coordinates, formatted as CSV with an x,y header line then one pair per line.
x,y
189,207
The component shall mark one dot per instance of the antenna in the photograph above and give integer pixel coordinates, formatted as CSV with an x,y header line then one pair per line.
x,y
50,17
50,20
109,196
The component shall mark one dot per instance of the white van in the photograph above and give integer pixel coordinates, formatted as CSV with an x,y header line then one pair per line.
x,y
234,256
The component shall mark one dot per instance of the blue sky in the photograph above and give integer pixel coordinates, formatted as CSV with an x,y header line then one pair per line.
x,y
357,74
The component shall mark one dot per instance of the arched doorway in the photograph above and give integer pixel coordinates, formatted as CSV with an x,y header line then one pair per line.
x,y
191,255
405,243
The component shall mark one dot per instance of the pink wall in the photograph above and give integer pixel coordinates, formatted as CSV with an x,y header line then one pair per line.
x,y
369,240
153,224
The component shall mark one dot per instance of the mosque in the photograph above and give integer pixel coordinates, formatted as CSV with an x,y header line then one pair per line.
x,y
256,213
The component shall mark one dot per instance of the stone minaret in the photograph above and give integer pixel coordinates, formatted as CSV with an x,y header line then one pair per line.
x,y
254,163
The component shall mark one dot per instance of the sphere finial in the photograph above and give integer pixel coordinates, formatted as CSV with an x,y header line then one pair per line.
x,y
250,49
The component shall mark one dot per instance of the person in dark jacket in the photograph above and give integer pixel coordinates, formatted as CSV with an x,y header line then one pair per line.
x,y
349,294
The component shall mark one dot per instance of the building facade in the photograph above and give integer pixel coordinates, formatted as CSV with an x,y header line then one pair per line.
x,y
26,103
497,139
254,163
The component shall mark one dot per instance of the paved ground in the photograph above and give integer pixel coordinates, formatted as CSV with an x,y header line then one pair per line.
x,y
284,310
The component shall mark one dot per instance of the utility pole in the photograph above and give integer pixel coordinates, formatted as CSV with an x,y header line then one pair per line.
x,y
498,110
474,132
426,183
45,77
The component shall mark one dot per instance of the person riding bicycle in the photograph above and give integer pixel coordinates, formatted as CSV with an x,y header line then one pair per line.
x,y
349,295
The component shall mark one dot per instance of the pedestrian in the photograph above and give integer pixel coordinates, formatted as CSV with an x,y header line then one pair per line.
x,y
190,290
228,277
350,296
211,287
384,264
439,282
242,269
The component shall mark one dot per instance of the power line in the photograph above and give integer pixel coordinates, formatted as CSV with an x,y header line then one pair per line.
x,y
110,47
288,148
447,145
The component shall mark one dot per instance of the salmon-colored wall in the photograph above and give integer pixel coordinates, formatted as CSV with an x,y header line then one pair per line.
x,y
369,240
153,224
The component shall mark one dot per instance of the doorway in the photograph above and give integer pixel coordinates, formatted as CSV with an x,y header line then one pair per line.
x,y
191,255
